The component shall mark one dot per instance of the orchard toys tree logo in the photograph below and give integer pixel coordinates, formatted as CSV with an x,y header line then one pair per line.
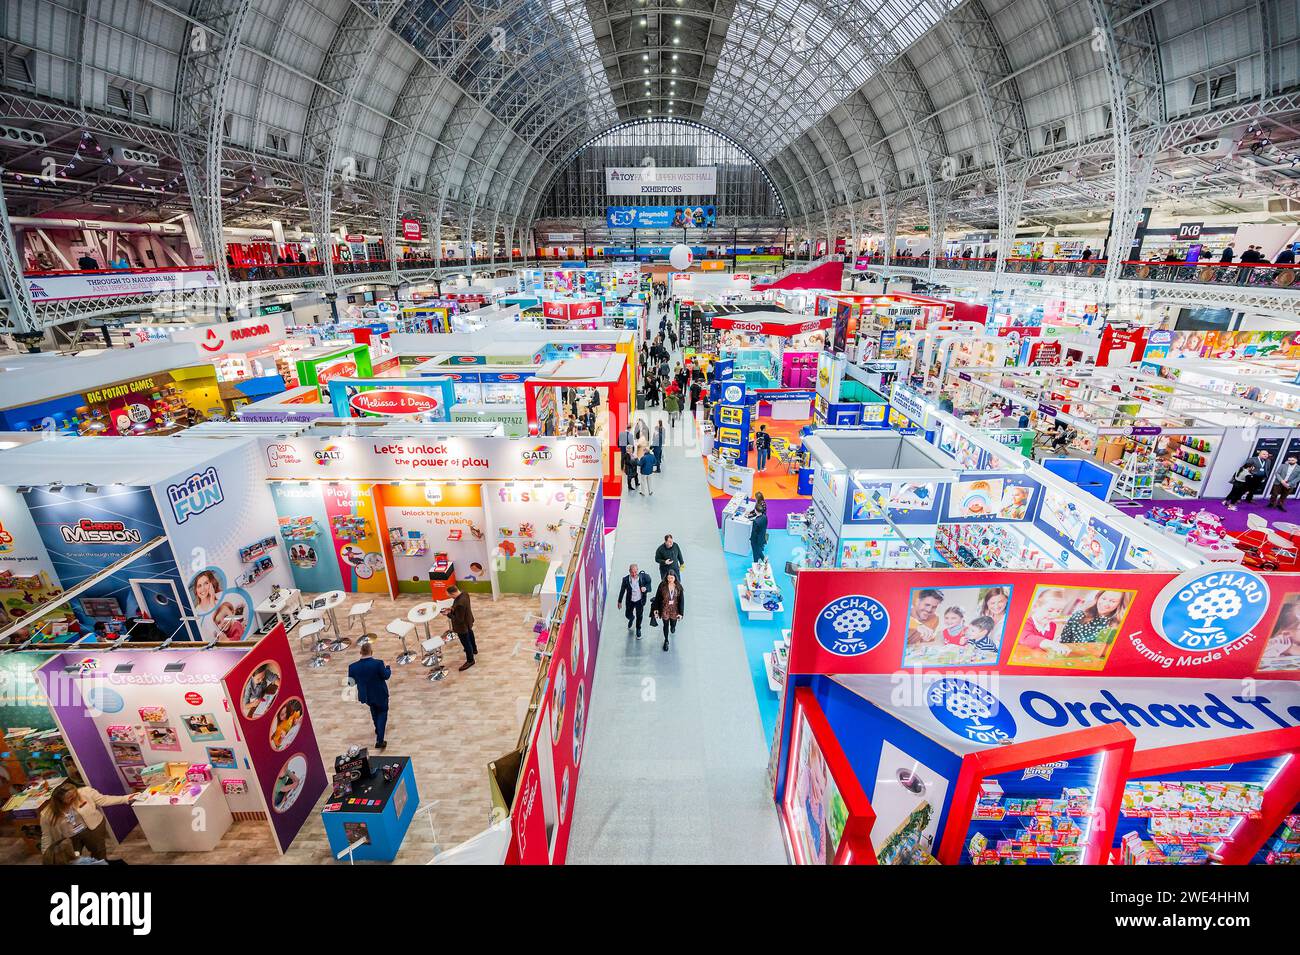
x,y
852,625
1210,608
970,711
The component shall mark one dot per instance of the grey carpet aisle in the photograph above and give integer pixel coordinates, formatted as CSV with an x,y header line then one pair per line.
x,y
675,763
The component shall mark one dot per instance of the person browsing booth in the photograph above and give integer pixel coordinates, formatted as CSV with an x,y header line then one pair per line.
x,y
462,623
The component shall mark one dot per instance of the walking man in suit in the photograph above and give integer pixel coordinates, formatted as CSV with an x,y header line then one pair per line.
x,y
634,589
370,677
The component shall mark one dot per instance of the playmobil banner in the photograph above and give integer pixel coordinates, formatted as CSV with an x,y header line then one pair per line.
x,y
968,714
345,458
1213,622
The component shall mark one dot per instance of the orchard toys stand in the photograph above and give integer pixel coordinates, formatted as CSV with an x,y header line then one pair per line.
x,y
1135,745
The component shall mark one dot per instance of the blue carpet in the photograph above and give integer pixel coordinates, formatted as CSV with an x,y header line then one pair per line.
x,y
759,637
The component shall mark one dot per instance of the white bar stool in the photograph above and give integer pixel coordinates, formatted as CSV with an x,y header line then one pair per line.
x,y
401,629
432,648
311,625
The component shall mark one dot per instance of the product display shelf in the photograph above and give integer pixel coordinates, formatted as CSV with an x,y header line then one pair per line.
x,y
1282,847
760,597
1039,816
1136,476
1189,818
774,662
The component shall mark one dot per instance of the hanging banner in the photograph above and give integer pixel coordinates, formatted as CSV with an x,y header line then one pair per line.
x,y
661,180
661,217
1213,622
57,288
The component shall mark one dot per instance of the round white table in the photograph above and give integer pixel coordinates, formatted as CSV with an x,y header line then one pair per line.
x,y
328,601
422,614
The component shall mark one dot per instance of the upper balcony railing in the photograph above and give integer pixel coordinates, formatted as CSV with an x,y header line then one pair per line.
x,y
1251,275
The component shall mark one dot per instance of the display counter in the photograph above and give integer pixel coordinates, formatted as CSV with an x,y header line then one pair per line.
x,y
736,525
376,810
169,822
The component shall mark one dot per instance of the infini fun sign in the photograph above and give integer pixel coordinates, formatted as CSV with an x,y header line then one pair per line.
x,y
394,401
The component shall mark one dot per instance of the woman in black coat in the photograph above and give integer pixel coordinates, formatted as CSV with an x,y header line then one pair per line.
x,y
669,605
758,527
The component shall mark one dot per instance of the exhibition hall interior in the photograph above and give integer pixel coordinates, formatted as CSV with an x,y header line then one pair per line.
x,y
371,372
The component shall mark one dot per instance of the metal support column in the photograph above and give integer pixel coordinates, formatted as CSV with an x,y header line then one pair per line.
x,y
22,314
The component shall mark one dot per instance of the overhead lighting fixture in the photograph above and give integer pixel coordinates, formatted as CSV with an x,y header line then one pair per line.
x,y
643,21
674,56
677,21
676,40
645,56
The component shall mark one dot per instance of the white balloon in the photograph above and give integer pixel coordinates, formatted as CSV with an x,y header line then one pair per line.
x,y
680,257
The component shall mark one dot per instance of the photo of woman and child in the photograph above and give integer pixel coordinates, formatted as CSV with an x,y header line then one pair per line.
x,y
1282,652
1071,627
955,625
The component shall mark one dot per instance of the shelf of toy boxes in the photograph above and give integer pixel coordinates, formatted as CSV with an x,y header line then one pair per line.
x,y
1233,801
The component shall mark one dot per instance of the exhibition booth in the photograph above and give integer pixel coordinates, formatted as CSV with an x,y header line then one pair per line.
x,y
772,349
1150,437
151,389
250,349
1105,723
150,597
884,499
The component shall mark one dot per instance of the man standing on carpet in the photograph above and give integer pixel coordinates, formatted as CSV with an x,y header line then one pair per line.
x,y
1288,476
370,677
762,446
462,623
634,589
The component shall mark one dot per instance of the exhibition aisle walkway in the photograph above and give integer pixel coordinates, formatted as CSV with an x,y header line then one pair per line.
x,y
675,763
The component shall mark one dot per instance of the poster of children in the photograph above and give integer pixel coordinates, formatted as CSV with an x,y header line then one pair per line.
x,y
979,498
955,625
819,812
1071,628
1282,652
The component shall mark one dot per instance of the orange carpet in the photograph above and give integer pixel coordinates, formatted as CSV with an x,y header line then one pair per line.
x,y
774,482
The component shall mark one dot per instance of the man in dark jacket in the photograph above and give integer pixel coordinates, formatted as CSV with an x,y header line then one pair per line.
x,y
758,534
635,589
462,623
669,558
370,677
762,447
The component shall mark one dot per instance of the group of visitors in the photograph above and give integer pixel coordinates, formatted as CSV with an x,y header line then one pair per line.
x,y
1250,479
668,605
641,453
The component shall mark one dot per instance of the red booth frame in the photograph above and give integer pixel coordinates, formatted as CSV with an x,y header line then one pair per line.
x,y
855,843
616,410
1279,799
1113,741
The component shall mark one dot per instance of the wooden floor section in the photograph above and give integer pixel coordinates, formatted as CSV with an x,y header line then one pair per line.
x,y
450,729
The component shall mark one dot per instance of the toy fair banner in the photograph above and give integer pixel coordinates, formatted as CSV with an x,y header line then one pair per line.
x,y
57,288
1213,622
